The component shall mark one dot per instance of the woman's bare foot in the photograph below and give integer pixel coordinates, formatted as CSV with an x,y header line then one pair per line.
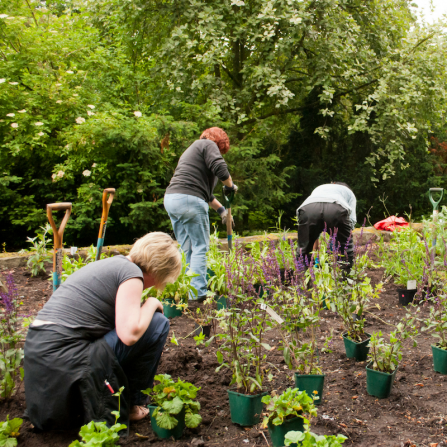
x,y
137,413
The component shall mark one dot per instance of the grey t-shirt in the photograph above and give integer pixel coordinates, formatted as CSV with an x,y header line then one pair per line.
x,y
86,300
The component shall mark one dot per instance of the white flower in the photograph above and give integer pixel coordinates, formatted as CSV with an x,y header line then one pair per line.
x,y
60,174
14,83
90,113
75,94
41,134
59,101
22,111
3,16
137,114
80,120
53,176
69,72
94,165
237,3
86,173
92,107
11,114
58,85
139,190
38,123
14,125
2,80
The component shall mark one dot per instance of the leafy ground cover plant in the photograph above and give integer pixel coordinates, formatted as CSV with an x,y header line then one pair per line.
x,y
436,322
97,434
309,439
291,403
171,399
11,337
385,356
9,432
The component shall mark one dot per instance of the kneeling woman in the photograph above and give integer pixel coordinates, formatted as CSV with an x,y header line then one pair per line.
x,y
93,336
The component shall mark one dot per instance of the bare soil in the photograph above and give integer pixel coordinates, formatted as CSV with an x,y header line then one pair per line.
x,y
414,414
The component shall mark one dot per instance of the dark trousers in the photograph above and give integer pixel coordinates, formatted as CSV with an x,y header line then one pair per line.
x,y
140,361
312,220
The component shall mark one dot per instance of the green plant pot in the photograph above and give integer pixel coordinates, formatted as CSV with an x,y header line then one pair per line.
x,y
358,351
326,304
439,359
245,409
163,433
222,302
170,309
209,274
379,384
310,383
278,432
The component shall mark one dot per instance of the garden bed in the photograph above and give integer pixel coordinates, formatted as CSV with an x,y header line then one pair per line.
x,y
415,413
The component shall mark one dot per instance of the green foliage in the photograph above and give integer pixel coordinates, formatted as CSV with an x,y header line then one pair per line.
x,y
309,439
71,264
385,356
291,403
9,432
39,251
97,434
171,399
12,326
436,322
216,260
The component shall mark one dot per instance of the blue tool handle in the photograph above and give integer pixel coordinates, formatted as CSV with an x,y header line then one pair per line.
x,y
99,248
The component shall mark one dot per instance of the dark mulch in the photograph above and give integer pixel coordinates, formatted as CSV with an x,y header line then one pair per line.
x,y
414,414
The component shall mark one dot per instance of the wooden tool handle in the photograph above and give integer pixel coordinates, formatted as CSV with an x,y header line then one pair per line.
x,y
58,233
106,202
229,223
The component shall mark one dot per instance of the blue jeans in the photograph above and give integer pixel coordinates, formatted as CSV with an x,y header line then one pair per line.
x,y
190,221
140,361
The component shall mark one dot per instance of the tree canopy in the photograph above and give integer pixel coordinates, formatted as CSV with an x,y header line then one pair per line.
x,y
109,93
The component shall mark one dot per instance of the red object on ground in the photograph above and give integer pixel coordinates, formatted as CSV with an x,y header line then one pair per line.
x,y
390,223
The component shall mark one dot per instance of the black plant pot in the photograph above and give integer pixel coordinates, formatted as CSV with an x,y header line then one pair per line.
x,y
406,296
205,329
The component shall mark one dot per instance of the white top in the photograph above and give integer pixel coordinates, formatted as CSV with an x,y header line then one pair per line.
x,y
333,193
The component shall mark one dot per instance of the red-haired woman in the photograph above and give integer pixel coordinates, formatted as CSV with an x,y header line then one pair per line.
x,y
189,194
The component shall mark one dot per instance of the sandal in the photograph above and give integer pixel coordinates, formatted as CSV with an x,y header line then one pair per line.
x,y
137,413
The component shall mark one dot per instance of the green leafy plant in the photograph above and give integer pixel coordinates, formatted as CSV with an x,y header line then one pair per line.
x,y
97,434
204,315
385,356
436,322
9,432
171,399
291,403
72,264
11,336
309,439
39,251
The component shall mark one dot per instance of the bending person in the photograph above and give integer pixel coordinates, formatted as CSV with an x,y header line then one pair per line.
x,y
189,194
332,205
93,336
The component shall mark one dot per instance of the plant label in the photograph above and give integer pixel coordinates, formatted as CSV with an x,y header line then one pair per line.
x,y
272,313
411,284
73,250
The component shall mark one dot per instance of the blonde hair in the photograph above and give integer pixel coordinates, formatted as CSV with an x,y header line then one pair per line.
x,y
157,254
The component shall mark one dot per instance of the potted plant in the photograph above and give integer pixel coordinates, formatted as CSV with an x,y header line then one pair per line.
x,y
352,291
217,282
436,324
384,357
203,316
242,349
173,407
309,439
287,412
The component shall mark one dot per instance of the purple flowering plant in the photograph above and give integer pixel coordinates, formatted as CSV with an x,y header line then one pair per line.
x,y
11,336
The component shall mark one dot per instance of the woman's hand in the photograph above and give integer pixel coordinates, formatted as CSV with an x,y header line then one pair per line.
x,y
156,303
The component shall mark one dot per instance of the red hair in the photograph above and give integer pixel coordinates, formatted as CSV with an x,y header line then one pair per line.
x,y
219,136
